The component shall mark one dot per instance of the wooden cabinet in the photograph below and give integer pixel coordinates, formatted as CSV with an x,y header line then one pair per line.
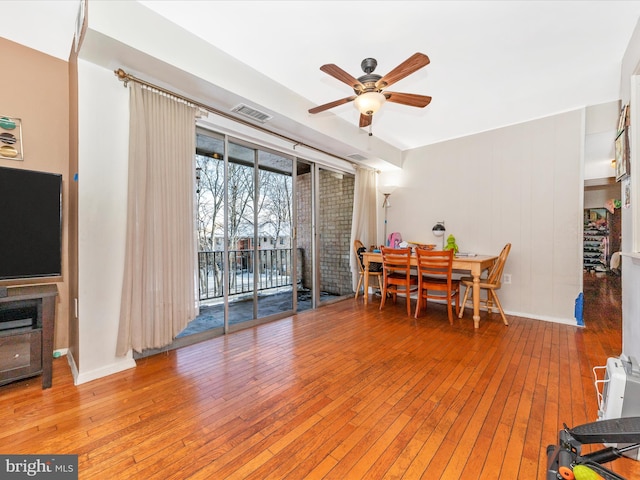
x,y
20,355
27,316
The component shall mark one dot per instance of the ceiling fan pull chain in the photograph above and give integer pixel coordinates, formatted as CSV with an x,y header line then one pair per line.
x,y
371,129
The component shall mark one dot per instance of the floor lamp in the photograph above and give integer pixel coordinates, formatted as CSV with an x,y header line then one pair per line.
x,y
386,191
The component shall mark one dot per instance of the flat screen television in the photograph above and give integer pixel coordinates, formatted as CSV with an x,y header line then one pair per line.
x,y
30,224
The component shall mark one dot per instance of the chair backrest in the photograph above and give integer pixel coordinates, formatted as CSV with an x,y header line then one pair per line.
x,y
396,260
435,263
358,248
495,274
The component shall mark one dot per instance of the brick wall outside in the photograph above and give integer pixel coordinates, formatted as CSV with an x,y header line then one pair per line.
x,y
334,227
336,210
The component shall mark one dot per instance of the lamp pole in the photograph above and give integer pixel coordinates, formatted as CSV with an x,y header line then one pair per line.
x,y
385,205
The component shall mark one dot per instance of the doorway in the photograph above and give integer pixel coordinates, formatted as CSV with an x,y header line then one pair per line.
x,y
602,240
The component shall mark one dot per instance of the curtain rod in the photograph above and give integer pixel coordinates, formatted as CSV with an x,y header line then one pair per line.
x,y
126,77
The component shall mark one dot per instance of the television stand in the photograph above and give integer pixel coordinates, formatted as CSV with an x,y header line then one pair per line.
x,y
27,316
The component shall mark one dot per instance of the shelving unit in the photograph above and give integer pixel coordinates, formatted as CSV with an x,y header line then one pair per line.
x,y
596,240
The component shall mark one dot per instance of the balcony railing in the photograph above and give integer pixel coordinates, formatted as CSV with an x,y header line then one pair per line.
x,y
274,271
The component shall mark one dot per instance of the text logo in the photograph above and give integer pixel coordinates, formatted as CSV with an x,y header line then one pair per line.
x,y
50,467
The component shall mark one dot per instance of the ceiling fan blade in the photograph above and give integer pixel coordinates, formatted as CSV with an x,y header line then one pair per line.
x,y
338,73
411,99
327,106
410,65
365,120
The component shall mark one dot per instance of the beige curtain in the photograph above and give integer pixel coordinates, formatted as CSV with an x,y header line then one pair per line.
x,y
364,221
159,286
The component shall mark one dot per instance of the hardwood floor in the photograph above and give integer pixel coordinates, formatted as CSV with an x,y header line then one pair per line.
x,y
345,392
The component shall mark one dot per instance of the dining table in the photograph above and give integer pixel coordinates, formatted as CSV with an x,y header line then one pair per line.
x,y
473,264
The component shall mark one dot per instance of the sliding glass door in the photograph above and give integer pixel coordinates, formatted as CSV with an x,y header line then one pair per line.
x,y
259,234
324,206
240,233
245,233
274,220
261,254
334,194
305,238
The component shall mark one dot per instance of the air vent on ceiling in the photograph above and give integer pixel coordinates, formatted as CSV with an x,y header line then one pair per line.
x,y
357,156
252,113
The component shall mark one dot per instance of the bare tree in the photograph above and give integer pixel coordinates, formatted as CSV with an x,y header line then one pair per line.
x,y
209,198
272,207
241,189
209,203
276,211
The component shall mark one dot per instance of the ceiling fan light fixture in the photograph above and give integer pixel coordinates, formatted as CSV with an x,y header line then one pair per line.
x,y
369,103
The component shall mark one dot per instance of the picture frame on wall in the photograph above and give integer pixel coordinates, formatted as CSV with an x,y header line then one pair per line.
x,y
11,138
622,120
623,167
626,193
622,159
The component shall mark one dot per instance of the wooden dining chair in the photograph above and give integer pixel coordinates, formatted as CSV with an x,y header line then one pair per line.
x,y
358,249
435,280
491,284
397,277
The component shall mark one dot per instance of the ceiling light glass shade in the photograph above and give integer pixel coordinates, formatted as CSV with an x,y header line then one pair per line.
x,y
369,103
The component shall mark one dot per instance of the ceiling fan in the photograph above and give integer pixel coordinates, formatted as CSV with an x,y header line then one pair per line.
x,y
369,88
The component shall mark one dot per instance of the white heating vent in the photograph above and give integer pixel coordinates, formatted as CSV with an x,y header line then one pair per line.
x,y
252,113
357,156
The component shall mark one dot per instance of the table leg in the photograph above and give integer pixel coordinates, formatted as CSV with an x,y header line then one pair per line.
x,y
476,301
365,294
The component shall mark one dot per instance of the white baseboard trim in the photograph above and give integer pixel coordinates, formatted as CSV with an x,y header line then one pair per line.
x,y
60,352
74,368
469,309
564,321
119,366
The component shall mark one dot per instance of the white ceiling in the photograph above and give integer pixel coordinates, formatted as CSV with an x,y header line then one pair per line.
x,y
493,63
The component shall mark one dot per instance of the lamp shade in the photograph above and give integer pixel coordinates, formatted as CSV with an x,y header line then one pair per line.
x,y
387,189
369,103
438,229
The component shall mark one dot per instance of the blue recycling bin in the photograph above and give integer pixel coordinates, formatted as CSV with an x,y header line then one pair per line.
x,y
579,310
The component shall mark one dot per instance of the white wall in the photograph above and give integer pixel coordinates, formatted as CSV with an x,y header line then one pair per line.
x,y
630,93
521,184
102,177
600,132
596,197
